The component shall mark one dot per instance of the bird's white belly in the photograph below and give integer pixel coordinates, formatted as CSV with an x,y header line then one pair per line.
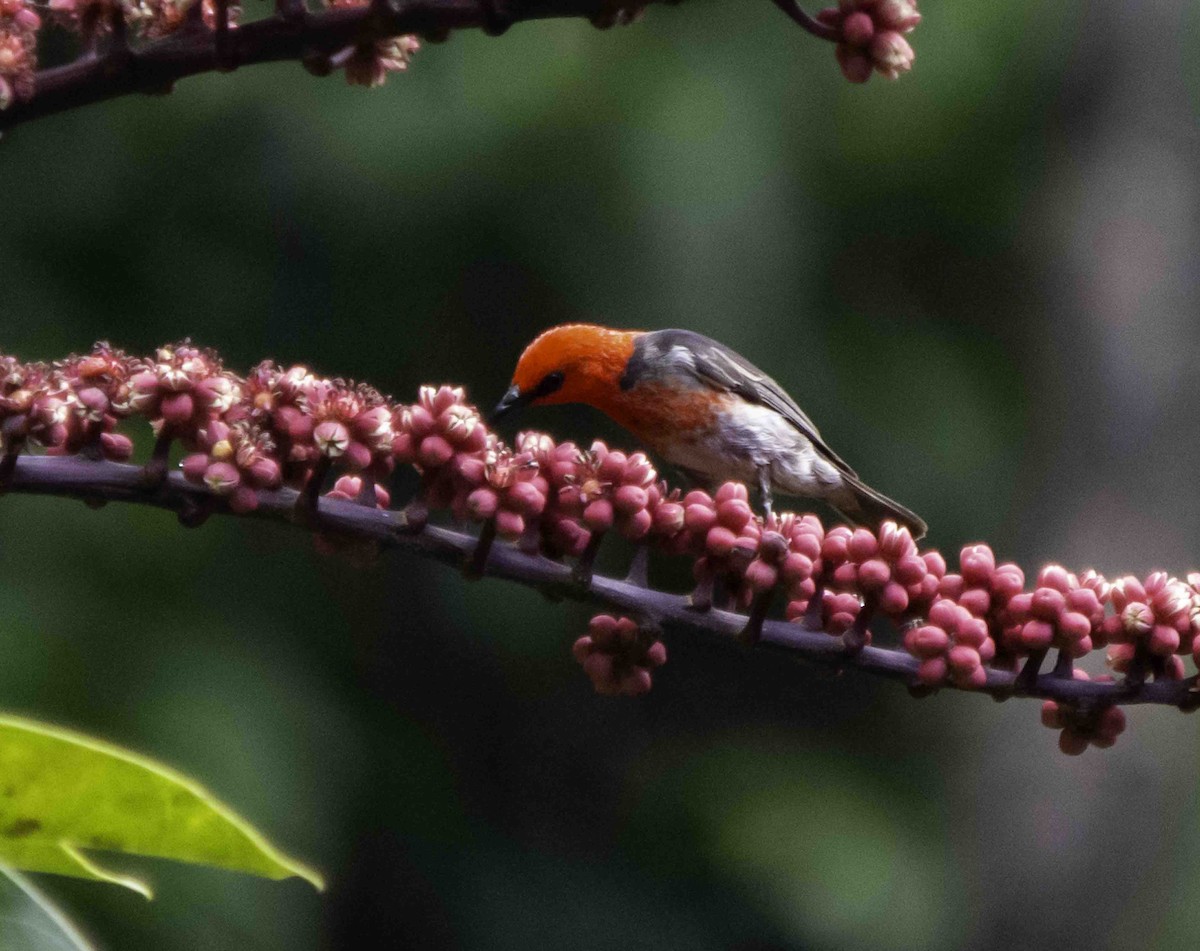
x,y
749,438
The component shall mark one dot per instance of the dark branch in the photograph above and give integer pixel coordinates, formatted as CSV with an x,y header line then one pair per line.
x,y
95,481
291,34
811,24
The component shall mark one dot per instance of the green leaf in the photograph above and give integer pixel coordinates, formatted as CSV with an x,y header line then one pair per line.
x,y
29,921
64,796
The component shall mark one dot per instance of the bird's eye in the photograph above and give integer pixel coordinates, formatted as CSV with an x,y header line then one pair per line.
x,y
550,383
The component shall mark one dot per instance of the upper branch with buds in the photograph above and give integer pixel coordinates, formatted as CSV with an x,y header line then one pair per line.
x,y
287,444
146,46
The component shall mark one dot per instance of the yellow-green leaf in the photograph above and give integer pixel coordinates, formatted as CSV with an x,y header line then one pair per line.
x,y
64,796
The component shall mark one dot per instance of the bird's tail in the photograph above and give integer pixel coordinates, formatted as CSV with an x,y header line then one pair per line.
x,y
862,505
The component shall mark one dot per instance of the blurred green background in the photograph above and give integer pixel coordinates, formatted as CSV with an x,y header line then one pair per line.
x,y
980,281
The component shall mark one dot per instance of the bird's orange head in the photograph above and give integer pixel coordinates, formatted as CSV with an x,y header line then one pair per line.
x,y
574,363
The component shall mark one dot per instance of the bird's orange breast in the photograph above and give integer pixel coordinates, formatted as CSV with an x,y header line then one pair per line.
x,y
657,414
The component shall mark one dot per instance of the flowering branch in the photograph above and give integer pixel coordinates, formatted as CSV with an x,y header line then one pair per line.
x,y
146,46
270,443
96,481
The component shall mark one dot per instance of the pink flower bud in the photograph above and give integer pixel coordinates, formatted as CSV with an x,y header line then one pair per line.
x,y
598,516
357,456
796,567
526,498
962,660
894,599
1137,619
177,408
846,575
297,425
835,547
116,446
760,576
629,499
900,15
926,641
222,478
944,614
909,570
1047,604
932,671
509,525
1163,640
482,504
637,525
951,586
669,518
194,467
1056,577
734,513
243,500
700,518
332,439
976,600
1037,635
1007,581
731,491
858,29
1074,626
874,574
862,545
434,452
855,65
1052,715
720,541
892,54
976,565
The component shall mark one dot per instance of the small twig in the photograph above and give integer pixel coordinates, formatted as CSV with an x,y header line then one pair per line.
x,y
308,500
639,567
582,572
477,563
1028,677
859,635
810,24
155,471
751,634
1064,665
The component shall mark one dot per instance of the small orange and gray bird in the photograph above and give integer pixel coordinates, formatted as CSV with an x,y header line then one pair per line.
x,y
701,407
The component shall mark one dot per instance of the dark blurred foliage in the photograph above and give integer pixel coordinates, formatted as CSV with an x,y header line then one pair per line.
x,y
981,281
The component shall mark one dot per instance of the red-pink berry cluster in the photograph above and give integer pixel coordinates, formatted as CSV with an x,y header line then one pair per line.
x,y
282,426
619,656
19,23
872,36
236,462
1154,622
1083,726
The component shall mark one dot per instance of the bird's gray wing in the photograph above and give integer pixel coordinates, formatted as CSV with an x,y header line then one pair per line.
x,y
715,365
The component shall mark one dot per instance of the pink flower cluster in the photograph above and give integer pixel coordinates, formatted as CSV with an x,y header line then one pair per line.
x,y
1082,726
872,36
618,655
282,426
19,23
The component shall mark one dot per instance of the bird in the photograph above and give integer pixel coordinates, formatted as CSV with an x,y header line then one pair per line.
x,y
702,408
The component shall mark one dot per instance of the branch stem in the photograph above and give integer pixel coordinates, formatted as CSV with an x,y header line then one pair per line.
x,y
79,478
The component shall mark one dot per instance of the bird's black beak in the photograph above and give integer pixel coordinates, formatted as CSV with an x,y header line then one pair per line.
x,y
513,400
